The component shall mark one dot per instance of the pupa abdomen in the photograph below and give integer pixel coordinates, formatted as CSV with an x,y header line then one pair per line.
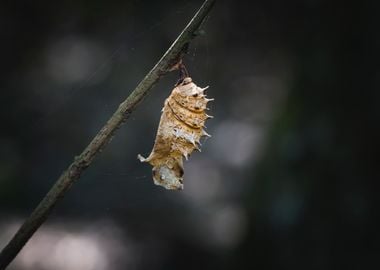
x,y
179,132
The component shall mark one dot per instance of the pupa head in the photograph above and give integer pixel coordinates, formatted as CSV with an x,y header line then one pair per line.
x,y
167,178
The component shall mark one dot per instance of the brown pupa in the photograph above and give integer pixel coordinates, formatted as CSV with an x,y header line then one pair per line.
x,y
179,132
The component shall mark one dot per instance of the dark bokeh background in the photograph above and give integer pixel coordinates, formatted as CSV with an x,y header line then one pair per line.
x,y
286,182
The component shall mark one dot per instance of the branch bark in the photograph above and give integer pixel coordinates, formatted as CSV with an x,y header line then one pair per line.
x,y
81,162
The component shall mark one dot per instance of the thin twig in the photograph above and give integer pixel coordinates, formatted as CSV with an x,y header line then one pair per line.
x,y
172,56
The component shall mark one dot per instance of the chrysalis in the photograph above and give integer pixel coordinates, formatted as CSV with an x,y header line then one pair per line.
x,y
179,132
